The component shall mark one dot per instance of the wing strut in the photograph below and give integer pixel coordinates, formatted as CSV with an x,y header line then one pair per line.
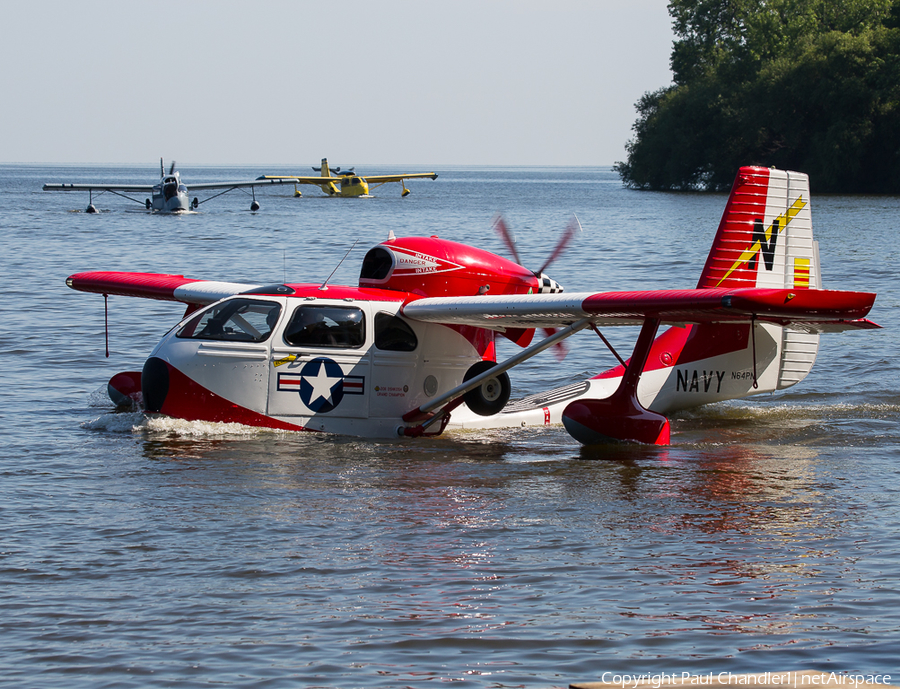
x,y
753,340
106,321
113,191
608,345
440,407
221,193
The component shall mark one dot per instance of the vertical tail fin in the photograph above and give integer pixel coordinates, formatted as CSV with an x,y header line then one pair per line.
x,y
765,239
325,171
765,236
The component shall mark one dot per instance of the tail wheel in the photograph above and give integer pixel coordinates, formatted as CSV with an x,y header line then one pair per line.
x,y
493,393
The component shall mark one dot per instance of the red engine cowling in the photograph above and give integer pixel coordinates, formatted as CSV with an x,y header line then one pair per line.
x,y
434,267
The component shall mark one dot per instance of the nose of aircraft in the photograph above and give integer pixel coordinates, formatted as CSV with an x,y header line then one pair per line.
x,y
155,383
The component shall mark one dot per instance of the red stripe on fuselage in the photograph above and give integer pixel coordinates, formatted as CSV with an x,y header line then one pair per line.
x,y
187,399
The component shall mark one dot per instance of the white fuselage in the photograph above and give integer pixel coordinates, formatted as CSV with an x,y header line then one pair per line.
x,y
361,390
366,388
170,195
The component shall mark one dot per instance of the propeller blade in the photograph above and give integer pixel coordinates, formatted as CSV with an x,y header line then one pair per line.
x,y
560,349
501,228
573,228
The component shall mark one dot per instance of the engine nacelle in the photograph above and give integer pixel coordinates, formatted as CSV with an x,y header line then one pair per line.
x,y
434,267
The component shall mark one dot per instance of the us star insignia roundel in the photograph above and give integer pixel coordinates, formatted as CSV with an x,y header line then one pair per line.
x,y
321,385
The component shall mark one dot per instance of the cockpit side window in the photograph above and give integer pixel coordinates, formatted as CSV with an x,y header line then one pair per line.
x,y
326,326
234,320
393,334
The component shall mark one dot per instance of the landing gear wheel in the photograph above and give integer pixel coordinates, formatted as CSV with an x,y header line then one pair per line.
x,y
493,393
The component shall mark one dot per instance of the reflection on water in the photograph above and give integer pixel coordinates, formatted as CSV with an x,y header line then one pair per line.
x,y
455,508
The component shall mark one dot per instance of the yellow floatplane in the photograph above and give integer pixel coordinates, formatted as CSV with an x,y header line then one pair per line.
x,y
348,183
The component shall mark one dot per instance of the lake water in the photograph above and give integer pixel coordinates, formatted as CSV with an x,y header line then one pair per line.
x,y
136,554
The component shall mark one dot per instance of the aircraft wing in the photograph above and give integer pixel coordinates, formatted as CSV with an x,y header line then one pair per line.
x,y
141,188
810,310
302,180
156,286
805,309
380,179
235,185
371,179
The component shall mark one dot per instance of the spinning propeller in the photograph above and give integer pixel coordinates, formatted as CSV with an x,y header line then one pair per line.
x,y
545,284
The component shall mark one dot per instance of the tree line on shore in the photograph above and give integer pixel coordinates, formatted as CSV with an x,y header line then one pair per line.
x,y
808,85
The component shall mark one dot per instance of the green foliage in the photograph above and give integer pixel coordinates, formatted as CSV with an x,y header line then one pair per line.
x,y
810,85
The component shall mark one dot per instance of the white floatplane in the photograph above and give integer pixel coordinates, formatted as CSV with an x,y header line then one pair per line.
x,y
169,195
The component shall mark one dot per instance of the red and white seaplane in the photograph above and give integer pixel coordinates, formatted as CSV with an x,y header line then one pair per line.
x,y
410,350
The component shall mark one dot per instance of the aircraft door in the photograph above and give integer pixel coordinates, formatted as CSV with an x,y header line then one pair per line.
x,y
319,365
396,387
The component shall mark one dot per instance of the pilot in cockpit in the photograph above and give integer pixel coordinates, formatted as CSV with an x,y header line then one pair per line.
x,y
309,327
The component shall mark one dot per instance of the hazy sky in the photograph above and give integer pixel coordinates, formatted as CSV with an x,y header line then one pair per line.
x,y
457,82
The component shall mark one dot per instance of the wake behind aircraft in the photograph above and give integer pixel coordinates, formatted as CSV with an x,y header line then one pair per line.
x,y
411,349
348,183
169,195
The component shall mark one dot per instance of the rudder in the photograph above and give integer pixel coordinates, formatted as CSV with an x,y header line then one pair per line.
x,y
765,236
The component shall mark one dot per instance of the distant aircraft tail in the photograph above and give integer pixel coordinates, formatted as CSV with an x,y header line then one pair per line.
x,y
328,187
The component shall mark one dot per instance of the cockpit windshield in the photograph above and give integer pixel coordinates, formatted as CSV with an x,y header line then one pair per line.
x,y
170,187
235,320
